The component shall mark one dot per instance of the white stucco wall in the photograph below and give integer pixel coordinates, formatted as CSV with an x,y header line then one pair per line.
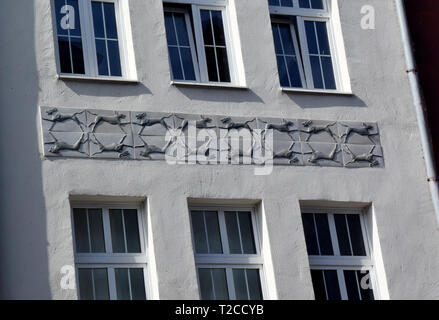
x,y
35,222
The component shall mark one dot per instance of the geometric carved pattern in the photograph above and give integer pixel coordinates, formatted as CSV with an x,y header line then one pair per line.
x,y
85,133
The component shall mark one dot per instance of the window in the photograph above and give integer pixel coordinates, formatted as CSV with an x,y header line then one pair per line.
x,y
91,40
227,254
199,42
110,252
304,38
339,254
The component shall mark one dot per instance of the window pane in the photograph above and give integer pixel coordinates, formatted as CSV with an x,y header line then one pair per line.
x,y
110,20
322,35
174,56
206,287
117,232
59,4
240,284
101,284
293,70
122,284
323,234
311,37
200,237
351,284
304,3
220,284
223,64
328,73
75,26
318,284
273,2
316,72
254,284
233,233
317,4
283,75
64,55
218,28
180,26
247,236
96,230
170,30
342,234
207,27
310,234
287,39
286,3
85,284
98,19
101,55
211,64
113,54
356,235
213,232
77,56
188,64
276,37
365,285
132,230
81,230
137,284
332,286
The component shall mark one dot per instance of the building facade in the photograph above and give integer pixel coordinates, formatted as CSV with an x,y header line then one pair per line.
x,y
214,149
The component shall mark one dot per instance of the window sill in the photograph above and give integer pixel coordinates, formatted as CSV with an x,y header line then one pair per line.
x,y
208,85
317,91
97,79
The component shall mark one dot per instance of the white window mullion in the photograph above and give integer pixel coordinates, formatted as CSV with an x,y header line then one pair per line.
x,y
112,283
200,43
305,52
192,44
223,232
342,284
333,233
107,230
88,36
121,39
230,284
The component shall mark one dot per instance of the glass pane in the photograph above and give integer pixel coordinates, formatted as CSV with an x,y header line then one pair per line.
x,y
287,40
77,56
322,35
254,284
276,37
356,235
273,2
233,233
59,4
211,64
174,56
218,28
117,232
351,284
240,284
101,55
283,75
304,3
220,284
316,72
96,230
101,284
342,234
110,20
200,237
85,284
170,30
247,236
98,19
223,64
122,284
74,26
137,284
332,286
206,288
286,3
213,232
323,234
328,73
311,37
317,4
180,25
207,27
113,54
132,230
188,64
365,285
310,234
64,54
293,70
81,230
318,284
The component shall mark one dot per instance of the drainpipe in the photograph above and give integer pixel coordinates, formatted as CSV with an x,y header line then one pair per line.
x,y
419,108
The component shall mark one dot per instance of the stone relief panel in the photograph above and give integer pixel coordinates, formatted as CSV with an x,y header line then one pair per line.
x,y
206,139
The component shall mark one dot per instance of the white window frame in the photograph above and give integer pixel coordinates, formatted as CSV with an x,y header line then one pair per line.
x,y
227,260
330,16
109,260
126,53
337,261
197,44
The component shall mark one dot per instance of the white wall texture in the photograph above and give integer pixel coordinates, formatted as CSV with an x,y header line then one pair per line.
x,y
35,221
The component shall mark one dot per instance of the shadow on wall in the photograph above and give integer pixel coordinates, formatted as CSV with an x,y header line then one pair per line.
x,y
106,89
221,94
303,100
23,234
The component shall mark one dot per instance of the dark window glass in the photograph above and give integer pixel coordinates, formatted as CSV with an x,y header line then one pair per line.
x,y
213,232
328,73
316,72
246,232
122,284
324,235
137,284
342,234
254,284
199,231
110,20
117,231
351,284
132,230
113,53
96,230
218,28
332,285
207,27
213,284
233,233
283,75
318,284
356,235
81,230
98,19
101,55
211,64
310,234
365,285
